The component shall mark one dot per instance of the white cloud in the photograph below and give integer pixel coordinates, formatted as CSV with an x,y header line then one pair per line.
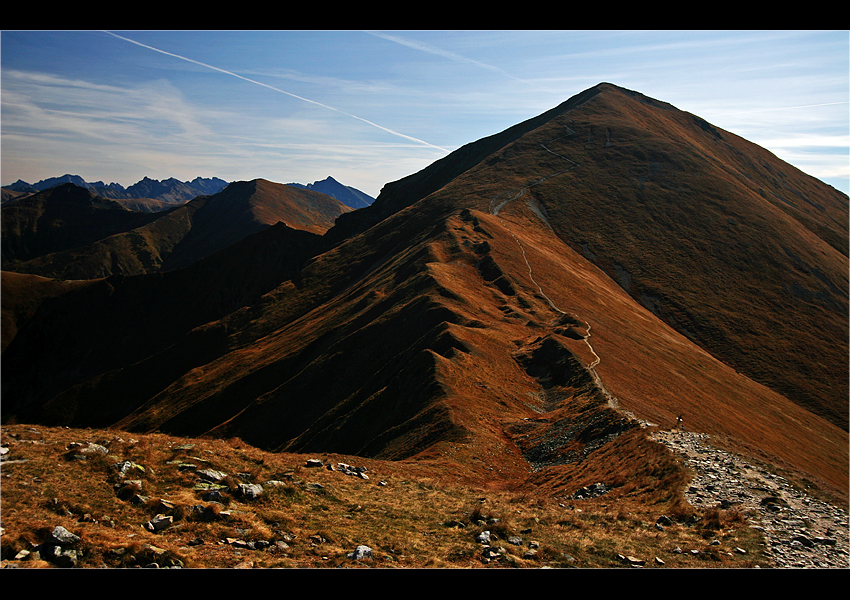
x,y
47,105
53,125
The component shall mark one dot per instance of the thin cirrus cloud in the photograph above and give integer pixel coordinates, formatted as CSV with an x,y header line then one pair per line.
x,y
77,109
149,127
276,89
53,125
761,110
62,103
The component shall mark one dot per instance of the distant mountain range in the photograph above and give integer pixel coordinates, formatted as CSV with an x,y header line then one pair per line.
x,y
170,192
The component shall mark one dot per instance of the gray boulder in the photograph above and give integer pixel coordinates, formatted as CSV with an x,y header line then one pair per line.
x,y
62,537
360,552
251,491
159,522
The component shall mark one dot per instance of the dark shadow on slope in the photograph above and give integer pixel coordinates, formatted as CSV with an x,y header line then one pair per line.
x,y
578,420
121,340
370,390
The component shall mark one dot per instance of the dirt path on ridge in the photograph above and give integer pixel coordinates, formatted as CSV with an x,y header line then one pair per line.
x,y
496,208
799,531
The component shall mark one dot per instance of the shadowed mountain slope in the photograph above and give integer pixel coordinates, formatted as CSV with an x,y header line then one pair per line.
x,y
183,235
21,297
82,332
61,218
742,253
485,316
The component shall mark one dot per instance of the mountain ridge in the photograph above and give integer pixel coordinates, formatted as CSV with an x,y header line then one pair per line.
x,y
149,242
170,191
540,297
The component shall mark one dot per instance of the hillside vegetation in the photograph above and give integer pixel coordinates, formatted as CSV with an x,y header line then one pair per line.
x,y
406,515
516,322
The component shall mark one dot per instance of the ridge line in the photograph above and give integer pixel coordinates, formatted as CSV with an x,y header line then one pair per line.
x,y
612,400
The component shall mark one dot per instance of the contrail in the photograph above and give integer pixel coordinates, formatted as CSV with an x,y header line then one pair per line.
x,y
447,54
277,90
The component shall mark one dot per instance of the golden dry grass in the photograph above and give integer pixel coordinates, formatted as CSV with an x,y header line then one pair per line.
x,y
407,342
410,515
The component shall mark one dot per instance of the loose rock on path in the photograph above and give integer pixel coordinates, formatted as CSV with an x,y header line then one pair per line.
x,y
800,531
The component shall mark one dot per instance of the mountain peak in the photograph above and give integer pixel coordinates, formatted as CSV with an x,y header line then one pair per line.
x,y
348,195
451,319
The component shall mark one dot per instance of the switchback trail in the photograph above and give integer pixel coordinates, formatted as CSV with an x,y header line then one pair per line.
x,y
495,208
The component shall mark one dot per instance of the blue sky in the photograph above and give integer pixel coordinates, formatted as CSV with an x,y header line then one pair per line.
x,y
370,107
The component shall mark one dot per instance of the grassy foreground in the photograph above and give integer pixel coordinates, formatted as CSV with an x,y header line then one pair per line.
x,y
313,517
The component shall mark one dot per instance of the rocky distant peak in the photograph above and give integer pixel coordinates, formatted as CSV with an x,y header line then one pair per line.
x,y
348,195
170,190
21,186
